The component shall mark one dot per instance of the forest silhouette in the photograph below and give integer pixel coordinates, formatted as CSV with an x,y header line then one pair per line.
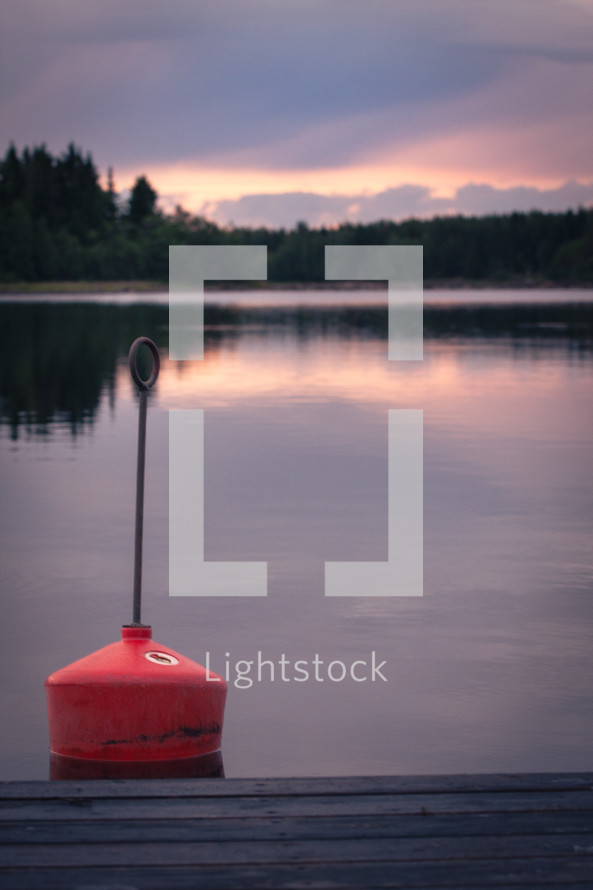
x,y
57,223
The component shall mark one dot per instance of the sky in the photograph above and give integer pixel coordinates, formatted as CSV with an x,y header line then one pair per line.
x,y
274,111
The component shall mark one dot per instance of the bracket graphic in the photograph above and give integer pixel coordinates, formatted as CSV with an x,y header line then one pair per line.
x,y
401,267
189,267
402,574
189,573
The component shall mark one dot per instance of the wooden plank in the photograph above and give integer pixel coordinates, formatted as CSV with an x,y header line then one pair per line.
x,y
519,873
356,850
312,805
295,828
296,787
458,832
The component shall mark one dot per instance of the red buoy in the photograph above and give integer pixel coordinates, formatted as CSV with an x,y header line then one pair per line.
x,y
135,700
135,708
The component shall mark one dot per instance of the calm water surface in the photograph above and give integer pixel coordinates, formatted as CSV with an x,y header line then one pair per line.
x,y
491,670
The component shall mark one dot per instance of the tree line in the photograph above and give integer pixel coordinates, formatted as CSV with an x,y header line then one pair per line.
x,y
58,223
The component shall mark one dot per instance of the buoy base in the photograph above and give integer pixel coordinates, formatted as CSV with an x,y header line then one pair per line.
x,y
134,701
207,766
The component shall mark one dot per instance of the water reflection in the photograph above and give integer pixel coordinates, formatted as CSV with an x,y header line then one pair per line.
x,y
490,671
57,360
207,766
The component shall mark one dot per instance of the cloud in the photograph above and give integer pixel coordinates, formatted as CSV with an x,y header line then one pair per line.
x,y
306,84
199,82
285,210
477,199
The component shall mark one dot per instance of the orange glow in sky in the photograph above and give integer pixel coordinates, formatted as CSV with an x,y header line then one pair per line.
x,y
192,186
195,187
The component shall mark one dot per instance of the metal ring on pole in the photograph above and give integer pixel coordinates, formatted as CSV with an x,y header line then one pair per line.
x,y
140,383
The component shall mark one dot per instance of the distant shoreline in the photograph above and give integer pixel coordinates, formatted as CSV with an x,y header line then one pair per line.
x,y
140,287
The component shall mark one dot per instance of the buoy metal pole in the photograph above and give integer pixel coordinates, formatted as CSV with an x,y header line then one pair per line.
x,y
143,388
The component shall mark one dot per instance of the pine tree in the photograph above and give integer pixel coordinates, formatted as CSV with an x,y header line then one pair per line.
x,y
142,200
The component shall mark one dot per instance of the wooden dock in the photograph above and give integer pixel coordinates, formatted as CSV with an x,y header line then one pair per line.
x,y
511,831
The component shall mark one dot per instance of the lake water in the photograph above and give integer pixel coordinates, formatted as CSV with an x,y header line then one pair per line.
x,y
491,670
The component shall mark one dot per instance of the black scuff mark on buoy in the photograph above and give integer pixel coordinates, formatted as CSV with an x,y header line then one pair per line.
x,y
184,732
